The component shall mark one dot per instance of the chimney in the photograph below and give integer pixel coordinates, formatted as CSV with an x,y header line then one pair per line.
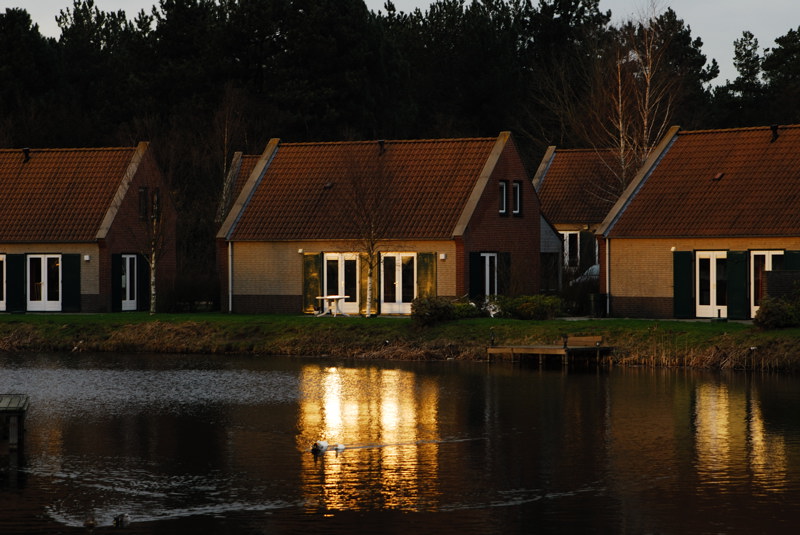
x,y
774,129
26,155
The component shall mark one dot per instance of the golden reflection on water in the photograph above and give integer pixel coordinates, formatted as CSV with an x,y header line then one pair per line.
x,y
388,421
732,441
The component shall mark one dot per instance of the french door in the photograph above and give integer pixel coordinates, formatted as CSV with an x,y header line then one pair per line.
x,y
44,282
341,278
711,281
129,278
398,282
760,263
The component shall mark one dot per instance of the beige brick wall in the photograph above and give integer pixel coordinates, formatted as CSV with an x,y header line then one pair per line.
x,y
89,270
643,267
276,268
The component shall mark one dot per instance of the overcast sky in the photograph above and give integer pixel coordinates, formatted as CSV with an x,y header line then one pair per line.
x,y
716,22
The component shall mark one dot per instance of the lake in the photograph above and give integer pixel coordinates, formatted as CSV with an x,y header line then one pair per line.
x,y
208,444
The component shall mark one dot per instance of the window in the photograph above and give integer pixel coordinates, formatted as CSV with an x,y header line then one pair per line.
x,y
516,206
503,207
572,250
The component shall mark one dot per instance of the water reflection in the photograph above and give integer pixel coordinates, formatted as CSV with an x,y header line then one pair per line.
x,y
221,446
388,421
732,441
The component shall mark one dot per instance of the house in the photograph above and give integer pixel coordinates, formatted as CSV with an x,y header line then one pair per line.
x,y
76,229
577,188
707,216
446,217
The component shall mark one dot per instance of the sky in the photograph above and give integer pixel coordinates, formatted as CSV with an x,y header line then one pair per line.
x,y
717,22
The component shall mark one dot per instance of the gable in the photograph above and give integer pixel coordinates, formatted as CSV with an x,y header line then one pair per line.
x,y
59,195
404,189
737,182
578,185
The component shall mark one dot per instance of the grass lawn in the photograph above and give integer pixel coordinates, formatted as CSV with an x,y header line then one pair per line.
x,y
693,343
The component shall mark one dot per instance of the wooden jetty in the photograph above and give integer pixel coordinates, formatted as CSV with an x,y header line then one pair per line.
x,y
581,346
12,418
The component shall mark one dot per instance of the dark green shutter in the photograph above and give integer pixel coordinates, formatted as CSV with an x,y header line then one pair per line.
x,y
116,282
142,284
71,282
476,275
738,296
682,283
15,283
588,250
791,261
312,281
426,274
503,273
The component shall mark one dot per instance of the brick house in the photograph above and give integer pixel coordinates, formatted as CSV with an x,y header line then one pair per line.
x,y
577,188
707,217
76,228
448,217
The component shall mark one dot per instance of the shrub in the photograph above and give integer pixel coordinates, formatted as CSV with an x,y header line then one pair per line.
x,y
531,307
432,310
462,310
776,313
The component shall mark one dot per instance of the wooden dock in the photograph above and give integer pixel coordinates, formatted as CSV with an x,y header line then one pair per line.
x,y
581,346
12,418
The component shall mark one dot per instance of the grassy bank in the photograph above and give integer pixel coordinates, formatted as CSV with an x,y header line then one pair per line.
x,y
636,342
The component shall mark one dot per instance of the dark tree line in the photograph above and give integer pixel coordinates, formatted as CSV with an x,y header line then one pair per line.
x,y
204,78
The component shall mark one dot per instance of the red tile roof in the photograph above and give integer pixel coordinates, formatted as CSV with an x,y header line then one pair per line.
x,y
321,190
579,186
737,182
58,195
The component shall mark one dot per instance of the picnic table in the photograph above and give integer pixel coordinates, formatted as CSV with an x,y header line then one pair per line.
x,y
329,304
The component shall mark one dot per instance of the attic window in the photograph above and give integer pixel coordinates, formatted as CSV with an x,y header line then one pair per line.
x,y
718,176
503,206
516,190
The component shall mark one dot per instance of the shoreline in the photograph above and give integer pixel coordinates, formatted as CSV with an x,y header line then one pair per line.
x,y
651,343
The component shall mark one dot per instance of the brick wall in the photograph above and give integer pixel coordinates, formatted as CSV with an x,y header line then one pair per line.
x,y
641,276
489,231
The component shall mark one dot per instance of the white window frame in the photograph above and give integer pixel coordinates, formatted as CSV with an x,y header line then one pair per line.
x,y
565,234
712,309
350,305
130,280
503,192
516,196
44,304
397,306
769,255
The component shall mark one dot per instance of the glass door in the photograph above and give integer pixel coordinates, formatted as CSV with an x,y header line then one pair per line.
x,y
341,278
760,263
399,282
711,281
129,282
44,283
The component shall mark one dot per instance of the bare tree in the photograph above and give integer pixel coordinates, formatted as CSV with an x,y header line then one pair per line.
x,y
368,199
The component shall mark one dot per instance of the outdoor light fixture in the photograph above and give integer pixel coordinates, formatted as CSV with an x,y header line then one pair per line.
x,y
442,256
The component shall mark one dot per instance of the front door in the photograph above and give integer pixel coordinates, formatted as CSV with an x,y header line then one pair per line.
x,y
760,263
129,282
711,281
341,278
44,283
398,282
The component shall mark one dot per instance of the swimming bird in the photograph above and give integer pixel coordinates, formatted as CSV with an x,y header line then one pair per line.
x,y
122,521
320,446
